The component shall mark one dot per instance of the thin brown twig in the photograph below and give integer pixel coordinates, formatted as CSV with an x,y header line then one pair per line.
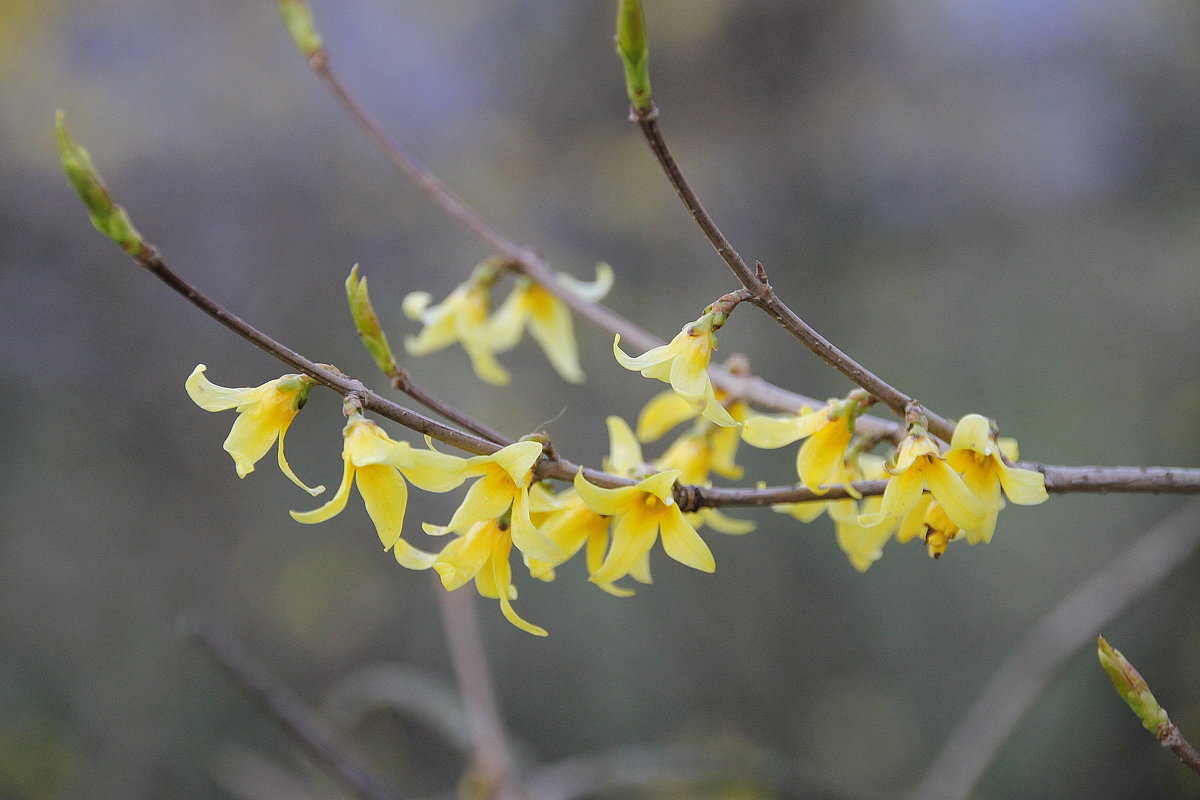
x,y
1058,479
1170,737
319,740
402,381
1033,663
764,296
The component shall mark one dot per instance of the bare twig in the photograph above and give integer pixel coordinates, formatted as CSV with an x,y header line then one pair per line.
x,y
1071,624
755,280
321,742
402,381
1171,738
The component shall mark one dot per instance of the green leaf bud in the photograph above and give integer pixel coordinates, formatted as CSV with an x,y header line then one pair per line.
x,y
631,47
1131,687
298,18
108,217
367,323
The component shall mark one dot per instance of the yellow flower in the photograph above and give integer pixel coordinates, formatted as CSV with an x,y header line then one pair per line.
x,y
379,466
548,319
919,464
482,554
683,363
978,455
571,525
821,460
862,545
640,512
461,317
504,483
264,414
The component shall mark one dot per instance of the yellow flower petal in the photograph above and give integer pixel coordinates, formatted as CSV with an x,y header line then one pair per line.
x,y
948,489
682,543
461,559
335,504
912,524
651,358
661,485
428,470
1025,487
550,326
412,558
594,290
606,502
386,497
625,454
502,575
508,322
250,438
286,468
974,432
862,546
488,498
901,493
516,459
211,397
721,523
769,432
689,369
716,413
632,537
664,411
804,512
528,539
822,456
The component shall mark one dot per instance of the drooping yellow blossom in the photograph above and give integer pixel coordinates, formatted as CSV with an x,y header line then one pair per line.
x,y
821,460
504,483
572,525
264,415
683,363
862,545
639,513
379,465
548,319
919,464
482,554
461,317
977,453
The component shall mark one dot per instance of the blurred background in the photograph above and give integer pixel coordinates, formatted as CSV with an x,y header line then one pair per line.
x,y
993,204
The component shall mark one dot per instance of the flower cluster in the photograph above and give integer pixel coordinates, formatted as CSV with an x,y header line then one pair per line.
x,y
465,316
939,497
615,518
504,509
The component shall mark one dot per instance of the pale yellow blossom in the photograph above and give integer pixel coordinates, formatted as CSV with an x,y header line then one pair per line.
x,y
683,363
264,414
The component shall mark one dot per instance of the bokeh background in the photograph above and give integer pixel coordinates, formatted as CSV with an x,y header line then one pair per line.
x,y
994,204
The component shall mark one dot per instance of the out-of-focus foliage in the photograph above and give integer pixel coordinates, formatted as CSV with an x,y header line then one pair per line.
x,y
992,204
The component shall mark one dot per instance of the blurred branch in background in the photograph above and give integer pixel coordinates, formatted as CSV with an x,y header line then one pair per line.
x,y
324,745
1030,667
